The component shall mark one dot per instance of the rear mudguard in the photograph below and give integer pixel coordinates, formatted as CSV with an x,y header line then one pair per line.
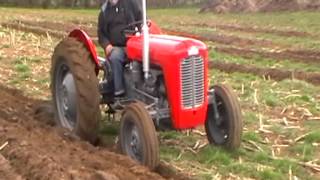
x,y
83,37
154,28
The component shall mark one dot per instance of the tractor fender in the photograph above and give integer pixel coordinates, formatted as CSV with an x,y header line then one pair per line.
x,y
83,37
154,28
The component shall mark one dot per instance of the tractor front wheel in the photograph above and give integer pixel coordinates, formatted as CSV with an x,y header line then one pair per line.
x,y
226,128
74,88
138,138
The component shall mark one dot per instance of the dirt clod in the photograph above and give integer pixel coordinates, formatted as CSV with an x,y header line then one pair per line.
x,y
44,112
6,171
100,175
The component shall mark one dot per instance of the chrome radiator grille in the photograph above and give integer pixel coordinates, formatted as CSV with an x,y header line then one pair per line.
x,y
192,82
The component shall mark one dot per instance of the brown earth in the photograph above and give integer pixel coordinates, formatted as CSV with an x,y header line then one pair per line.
x,y
59,26
301,55
276,74
223,39
6,170
224,6
305,56
290,5
65,27
38,150
218,38
252,29
35,30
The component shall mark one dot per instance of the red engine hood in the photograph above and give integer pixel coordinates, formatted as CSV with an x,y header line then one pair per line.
x,y
168,52
161,46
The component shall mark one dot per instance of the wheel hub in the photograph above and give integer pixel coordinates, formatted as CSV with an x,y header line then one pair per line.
x,y
133,142
219,127
66,98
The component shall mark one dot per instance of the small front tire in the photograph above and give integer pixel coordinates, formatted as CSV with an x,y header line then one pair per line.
x,y
228,131
138,137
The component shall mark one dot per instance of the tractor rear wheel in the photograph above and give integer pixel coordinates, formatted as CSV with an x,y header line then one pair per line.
x,y
225,131
74,88
138,137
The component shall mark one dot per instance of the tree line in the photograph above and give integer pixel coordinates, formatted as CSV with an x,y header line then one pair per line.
x,y
51,3
93,3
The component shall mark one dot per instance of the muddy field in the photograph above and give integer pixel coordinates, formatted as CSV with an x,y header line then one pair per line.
x,y
38,150
280,108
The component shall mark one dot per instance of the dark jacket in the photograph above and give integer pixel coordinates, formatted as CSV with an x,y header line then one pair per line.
x,y
113,20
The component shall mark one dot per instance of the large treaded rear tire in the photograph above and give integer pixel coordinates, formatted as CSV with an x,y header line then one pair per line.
x,y
228,133
74,56
137,124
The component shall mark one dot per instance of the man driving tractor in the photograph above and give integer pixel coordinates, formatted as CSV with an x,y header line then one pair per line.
x,y
114,17
164,87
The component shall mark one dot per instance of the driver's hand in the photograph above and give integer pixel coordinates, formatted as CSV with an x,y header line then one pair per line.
x,y
108,50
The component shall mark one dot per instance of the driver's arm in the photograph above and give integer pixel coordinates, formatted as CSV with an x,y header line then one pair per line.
x,y
137,9
102,36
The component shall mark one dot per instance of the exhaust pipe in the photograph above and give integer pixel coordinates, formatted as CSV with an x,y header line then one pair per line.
x,y
145,32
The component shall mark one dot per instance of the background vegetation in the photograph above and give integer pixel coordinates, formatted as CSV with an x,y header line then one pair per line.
x,y
92,3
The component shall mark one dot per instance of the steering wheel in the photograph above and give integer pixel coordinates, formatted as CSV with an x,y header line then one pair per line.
x,y
135,27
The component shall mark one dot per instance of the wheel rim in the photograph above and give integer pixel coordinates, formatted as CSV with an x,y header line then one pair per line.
x,y
66,97
220,130
133,145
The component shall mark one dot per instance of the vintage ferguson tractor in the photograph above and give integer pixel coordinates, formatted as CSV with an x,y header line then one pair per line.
x,y
166,88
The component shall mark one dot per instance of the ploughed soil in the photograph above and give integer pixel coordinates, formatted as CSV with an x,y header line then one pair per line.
x,y
36,149
225,6
60,30
310,57
272,73
306,56
252,29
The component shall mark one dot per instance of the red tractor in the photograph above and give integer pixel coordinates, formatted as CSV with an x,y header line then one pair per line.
x,y
166,88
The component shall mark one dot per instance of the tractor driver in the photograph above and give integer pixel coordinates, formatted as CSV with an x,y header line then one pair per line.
x,y
114,17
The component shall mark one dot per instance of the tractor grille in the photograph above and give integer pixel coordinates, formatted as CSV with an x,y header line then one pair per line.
x,y
192,81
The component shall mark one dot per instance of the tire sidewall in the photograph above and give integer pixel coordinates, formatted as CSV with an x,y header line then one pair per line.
x,y
59,63
65,55
233,116
130,117
134,113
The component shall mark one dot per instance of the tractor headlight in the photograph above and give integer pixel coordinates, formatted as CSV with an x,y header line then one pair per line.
x,y
193,51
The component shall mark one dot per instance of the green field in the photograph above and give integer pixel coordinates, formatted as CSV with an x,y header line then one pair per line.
x,y
281,138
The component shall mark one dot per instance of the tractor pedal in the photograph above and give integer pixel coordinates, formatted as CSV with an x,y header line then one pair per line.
x,y
111,117
117,105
